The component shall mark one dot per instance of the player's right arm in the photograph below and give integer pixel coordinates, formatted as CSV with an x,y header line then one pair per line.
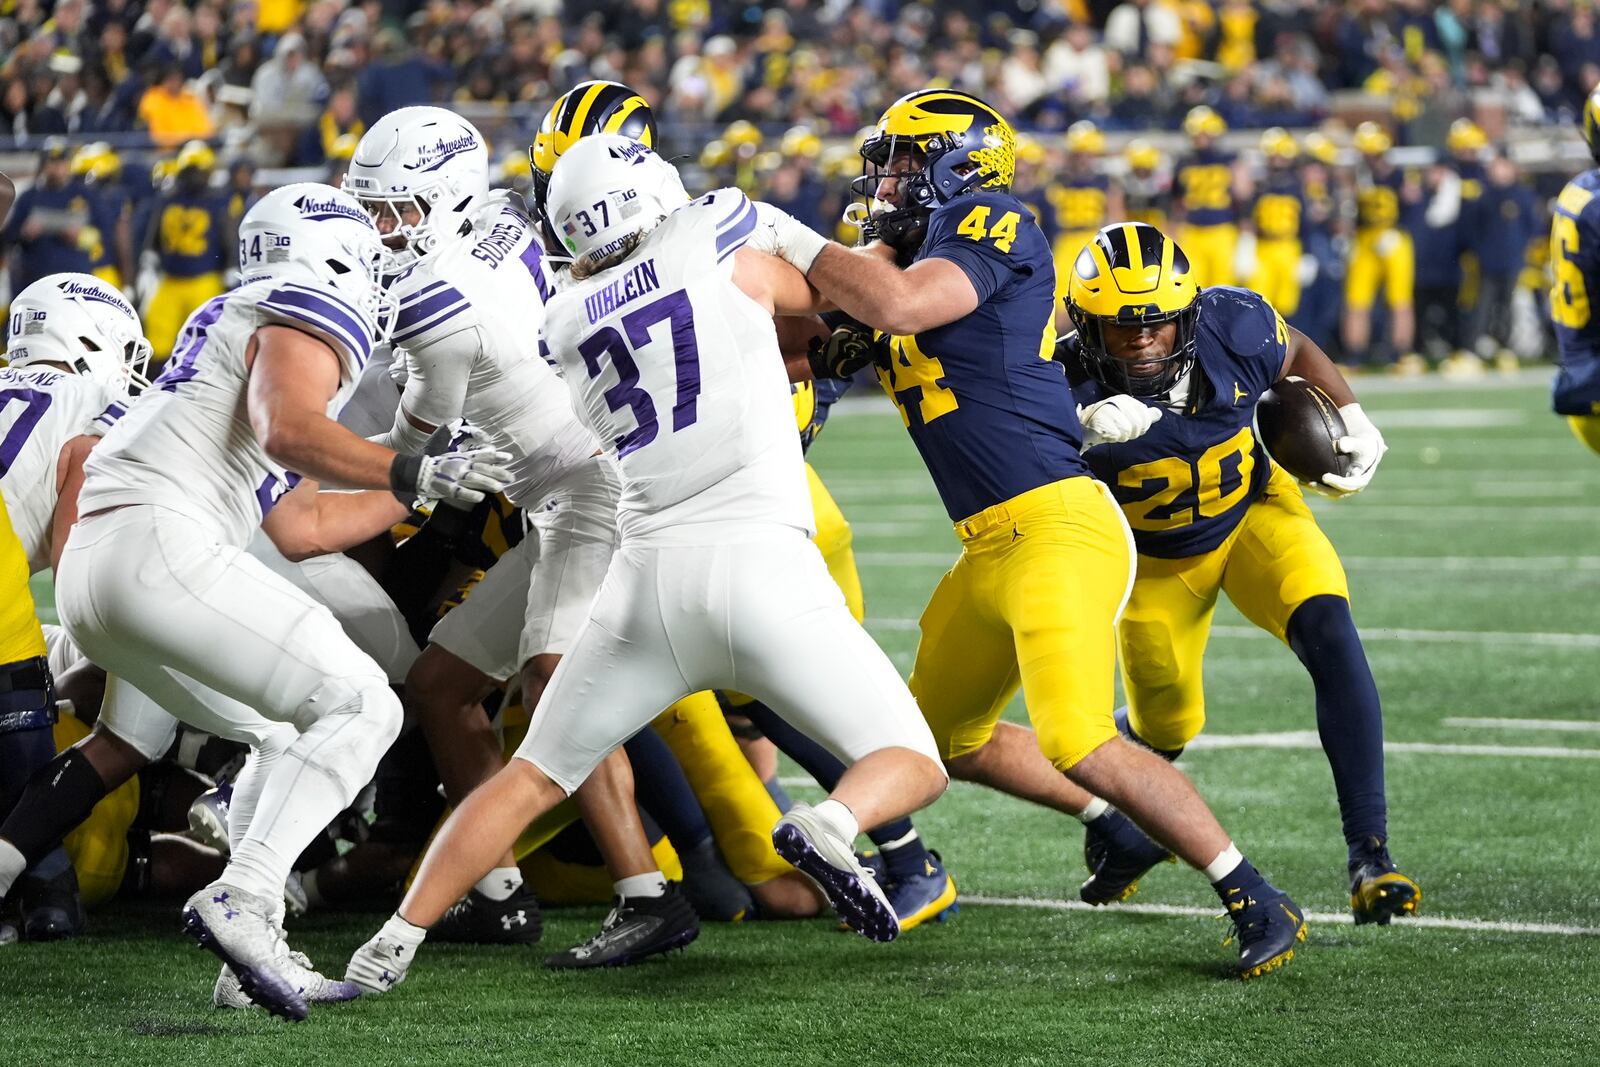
x,y
293,377
306,522
69,480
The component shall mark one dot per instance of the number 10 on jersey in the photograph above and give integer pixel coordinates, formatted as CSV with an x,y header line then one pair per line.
x,y
627,393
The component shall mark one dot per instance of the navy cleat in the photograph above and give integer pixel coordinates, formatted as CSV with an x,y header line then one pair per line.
x,y
51,907
828,860
1117,854
208,817
238,928
1267,927
928,896
477,920
636,929
1378,891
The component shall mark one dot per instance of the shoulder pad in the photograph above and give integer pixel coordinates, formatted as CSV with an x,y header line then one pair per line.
x,y
429,307
318,311
725,214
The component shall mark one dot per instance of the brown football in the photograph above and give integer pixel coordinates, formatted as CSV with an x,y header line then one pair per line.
x,y
1298,423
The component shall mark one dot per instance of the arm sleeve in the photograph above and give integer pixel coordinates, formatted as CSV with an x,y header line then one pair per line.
x,y
436,382
325,316
985,265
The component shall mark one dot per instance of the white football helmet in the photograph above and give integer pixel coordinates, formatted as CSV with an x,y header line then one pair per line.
x,y
312,228
82,322
606,192
426,163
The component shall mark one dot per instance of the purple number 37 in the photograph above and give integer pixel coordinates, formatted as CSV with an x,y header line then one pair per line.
x,y
627,393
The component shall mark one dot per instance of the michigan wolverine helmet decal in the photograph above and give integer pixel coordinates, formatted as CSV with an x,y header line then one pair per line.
x,y
964,143
1133,275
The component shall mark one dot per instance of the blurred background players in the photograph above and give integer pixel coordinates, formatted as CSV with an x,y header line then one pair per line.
x,y
1208,184
1276,222
1082,199
1575,258
190,235
1382,256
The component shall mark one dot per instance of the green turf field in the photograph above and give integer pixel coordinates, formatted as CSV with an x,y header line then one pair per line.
x,y
1475,571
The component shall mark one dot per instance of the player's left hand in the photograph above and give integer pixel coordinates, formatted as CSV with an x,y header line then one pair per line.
x,y
846,351
1116,419
1364,445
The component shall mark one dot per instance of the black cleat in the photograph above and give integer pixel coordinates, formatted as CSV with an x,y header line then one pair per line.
x,y
637,928
1117,854
51,908
1268,928
1378,891
477,920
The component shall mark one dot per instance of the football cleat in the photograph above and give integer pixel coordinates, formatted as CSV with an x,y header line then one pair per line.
x,y
208,817
477,920
828,860
238,928
1378,891
924,897
315,987
637,928
51,908
380,964
875,864
1267,928
1117,854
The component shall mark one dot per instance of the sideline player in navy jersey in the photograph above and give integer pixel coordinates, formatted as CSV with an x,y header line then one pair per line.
x,y
1212,513
1046,560
1575,258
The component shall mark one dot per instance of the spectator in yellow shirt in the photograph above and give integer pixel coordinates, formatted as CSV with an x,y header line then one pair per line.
x,y
172,112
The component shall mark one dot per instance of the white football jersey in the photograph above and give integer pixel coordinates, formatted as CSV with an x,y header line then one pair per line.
x,y
187,444
468,327
41,409
678,372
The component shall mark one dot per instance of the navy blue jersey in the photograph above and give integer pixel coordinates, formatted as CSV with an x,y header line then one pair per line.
x,y
1280,207
193,233
1184,485
990,411
1203,185
55,213
1575,262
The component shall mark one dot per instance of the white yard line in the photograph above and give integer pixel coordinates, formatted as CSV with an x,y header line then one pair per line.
x,y
1563,725
1308,739
1434,922
943,560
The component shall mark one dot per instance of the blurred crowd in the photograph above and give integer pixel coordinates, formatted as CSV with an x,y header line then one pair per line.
x,y
129,84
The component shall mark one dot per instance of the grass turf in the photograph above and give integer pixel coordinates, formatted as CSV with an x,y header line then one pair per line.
x,y
1474,536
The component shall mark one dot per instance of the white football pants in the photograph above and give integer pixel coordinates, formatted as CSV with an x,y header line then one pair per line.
x,y
212,636
758,614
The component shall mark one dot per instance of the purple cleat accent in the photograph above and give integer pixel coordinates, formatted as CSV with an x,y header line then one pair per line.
x,y
850,889
208,918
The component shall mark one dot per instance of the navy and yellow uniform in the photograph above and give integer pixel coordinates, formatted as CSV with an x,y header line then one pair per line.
x,y
50,252
1045,559
193,237
1382,253
1575,265
1278,219
1078,210
1203,192
1210,513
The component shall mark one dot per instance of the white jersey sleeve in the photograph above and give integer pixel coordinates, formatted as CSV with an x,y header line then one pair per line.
x,y
41,409
187,444
679,372
468,329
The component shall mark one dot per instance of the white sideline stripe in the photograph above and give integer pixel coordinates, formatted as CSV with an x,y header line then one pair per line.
x,y
1371,633
943,560
1434,922
1576,725
1308,739
1455,513
1450,418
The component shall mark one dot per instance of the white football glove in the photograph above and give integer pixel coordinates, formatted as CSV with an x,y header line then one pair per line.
x,y
1363,444
463,476
1116,419
779,233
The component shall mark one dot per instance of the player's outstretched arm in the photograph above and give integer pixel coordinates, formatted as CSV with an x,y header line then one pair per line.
x,y
305,522
1306,359
869,287
293,377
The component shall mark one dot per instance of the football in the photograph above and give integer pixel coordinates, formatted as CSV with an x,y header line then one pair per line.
x,y
1298,423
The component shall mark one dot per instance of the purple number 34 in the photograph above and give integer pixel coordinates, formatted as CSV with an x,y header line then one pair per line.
x,y
627,393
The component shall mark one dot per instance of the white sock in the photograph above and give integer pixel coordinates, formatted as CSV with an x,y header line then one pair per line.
x,y
839,819
1223,865
256,867
500,883
398,929
12,864
899,842
1096,808
653,884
